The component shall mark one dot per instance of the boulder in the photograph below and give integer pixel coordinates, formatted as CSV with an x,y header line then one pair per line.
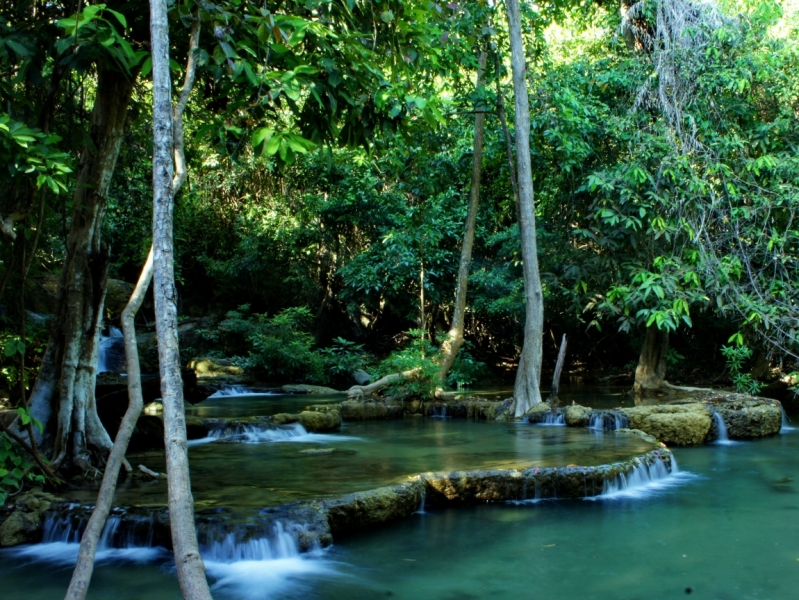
x,y
24,525
195,427
749,417
578,416
681,425
361,377
117,297
362,510
538,412
216,368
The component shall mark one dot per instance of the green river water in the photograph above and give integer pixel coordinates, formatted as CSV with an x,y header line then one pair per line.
x,y
724,528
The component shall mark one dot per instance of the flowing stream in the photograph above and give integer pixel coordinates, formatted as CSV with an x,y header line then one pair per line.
x,y
722,526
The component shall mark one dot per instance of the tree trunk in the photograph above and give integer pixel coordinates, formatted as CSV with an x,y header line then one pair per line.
x,y
553,393
650,374
190,567
514,183
454,341
68,370
527,389
82,575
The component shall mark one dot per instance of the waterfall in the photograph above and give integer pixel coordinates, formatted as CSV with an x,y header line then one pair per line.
x,y
421,510
646,478
604,420
554,418
722,439
439,411
253,433
238,390
130,538
785,420
262,567
111,352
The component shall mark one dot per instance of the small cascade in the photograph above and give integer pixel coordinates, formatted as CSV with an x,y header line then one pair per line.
x,y
254,433
134,538
111,352
607,420
785,422
261,567
722,439
421,510
238,390
646,477
554,418
439,411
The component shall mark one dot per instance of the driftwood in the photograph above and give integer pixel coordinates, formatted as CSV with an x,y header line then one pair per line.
x,y
359,392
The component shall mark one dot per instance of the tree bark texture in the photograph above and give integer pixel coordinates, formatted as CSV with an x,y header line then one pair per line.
x,y
190,567
553,393
454,341
527,388
68,370
514,182
650,374
82,575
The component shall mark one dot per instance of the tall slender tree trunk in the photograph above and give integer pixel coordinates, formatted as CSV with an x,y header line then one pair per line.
x,y
650,374
191,570
527,389
82,575
454,341
68,372
514,182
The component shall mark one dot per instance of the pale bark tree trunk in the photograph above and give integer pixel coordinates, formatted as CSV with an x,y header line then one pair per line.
x,y
68,369
514,184
454,341
82,575
553,393
527,389
650,374
190,567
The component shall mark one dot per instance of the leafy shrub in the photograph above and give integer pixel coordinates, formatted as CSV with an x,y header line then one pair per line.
x,y
736,358
343,358
15,465
465,370
278,347
420,357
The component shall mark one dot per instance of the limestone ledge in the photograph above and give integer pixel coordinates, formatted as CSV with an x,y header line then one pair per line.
x,y
316,523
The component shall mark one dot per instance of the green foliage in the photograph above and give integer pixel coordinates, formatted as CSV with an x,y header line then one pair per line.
x,y
343,358
28,153
15,466
278,346
737,356
465,370
418,356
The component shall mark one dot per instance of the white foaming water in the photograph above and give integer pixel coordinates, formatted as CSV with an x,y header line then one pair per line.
x,y
785,428
554,419
108,353
607,421
723,438
644,481
262,568
237,390
61,542
257,434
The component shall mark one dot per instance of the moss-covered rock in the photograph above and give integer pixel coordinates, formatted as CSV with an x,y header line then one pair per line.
x,y
216,368
681,425
577,416
358,511
539,412
749,417
24,524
